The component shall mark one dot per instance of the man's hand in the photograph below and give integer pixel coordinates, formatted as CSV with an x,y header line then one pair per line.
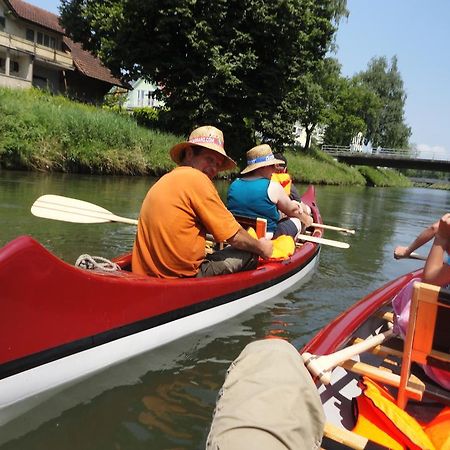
x,y
266,248
305,208
244,241
306,219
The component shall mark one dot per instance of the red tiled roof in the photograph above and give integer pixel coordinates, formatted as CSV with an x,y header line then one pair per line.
x,y
84,61
89,65
36,15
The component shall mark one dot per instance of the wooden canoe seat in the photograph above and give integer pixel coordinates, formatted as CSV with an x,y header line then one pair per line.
x,y
427,338
427,342
258,224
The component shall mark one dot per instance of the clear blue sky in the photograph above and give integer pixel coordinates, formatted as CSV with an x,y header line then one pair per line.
x,y
417,32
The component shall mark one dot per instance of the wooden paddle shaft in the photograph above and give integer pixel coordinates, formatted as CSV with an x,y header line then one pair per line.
x,y
331,227
317,240
414,255
321,366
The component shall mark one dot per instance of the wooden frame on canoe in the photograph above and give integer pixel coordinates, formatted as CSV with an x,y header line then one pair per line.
x,y
386,362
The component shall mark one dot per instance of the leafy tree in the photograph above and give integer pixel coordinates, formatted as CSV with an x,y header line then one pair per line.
x,y
232,63
387,128
354,106
315,96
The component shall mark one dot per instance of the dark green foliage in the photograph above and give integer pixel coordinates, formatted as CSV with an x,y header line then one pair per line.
x,y
229,63
387,128
316,95
353,107
146,117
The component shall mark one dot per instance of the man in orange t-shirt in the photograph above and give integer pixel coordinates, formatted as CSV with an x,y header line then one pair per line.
x,y
182,206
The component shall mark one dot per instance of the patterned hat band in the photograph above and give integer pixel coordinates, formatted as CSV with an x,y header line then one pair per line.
x,y
206,140
260,159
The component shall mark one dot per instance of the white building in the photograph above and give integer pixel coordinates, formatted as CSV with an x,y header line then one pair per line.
x,y
142,95
300,134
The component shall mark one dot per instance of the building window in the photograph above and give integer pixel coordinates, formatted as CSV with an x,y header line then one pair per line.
x,y
30,35
45,39
2,65
140,99
2,23
151,98
14,66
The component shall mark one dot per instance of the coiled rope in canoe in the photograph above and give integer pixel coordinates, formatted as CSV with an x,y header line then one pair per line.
x,y
89,262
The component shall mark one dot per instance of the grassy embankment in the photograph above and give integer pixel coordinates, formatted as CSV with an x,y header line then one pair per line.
x,y
51,133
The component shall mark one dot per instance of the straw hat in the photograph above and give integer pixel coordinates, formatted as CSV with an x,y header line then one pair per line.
x,y
207,137
260,156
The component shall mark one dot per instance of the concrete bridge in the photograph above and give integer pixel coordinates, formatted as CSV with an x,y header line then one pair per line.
x,y
386,157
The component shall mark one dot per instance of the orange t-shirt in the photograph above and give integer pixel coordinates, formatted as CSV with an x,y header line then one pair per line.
x,y
176,214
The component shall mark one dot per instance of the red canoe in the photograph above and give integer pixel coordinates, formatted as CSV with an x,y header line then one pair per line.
x,y
368,318
60,323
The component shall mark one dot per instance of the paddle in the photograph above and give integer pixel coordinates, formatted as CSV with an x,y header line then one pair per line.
x,y
322,366
413,255
67,209
331,227
317,240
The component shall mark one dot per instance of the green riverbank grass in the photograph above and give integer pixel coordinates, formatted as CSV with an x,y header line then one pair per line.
x,y
43,132
39,131
379,177
316,167
442,185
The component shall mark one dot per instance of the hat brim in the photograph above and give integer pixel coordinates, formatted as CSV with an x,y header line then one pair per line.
x,y
176,151
255,166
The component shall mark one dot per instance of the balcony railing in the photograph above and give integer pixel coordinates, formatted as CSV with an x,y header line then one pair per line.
x,y
64,60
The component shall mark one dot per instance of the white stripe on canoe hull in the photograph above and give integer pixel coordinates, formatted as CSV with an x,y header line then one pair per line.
x,y
21,392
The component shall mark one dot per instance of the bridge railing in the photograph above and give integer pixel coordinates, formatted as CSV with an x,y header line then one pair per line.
x,y
383,152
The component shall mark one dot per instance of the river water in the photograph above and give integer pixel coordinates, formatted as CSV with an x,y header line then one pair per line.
x,y
165,398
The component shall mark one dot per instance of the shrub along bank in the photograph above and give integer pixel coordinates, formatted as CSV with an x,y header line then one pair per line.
x,y
42,132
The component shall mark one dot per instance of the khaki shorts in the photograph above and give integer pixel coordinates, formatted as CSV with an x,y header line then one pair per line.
x,y
228,260
267,402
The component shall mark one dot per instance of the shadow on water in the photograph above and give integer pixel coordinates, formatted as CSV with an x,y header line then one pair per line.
x,y
164,399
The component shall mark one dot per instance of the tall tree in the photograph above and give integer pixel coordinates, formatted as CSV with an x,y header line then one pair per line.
x,y
233,63
315,95
388,128
353,107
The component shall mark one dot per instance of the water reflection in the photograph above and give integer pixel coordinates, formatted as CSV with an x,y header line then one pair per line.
x,y
165,398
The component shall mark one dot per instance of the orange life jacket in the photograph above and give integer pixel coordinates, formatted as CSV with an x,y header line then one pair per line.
x,y
382,421
438,430
284,179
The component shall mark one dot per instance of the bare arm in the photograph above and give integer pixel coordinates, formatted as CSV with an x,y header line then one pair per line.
x,y
289,207
425,236
436,271
243,241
